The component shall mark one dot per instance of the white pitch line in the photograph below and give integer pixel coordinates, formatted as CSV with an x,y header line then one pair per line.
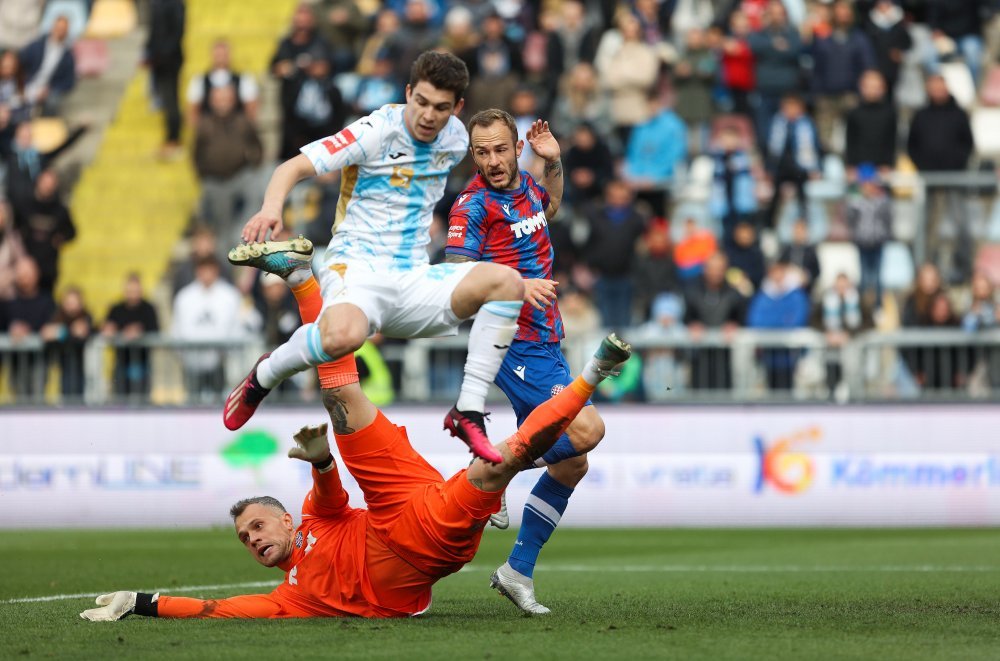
x,y
180,588
680,569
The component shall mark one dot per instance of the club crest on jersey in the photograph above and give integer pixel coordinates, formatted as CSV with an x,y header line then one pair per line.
x,y
337,142
440,160
529,226
531,196
298,539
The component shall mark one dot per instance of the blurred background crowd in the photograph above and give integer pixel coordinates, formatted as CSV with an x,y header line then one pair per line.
x,y
731,165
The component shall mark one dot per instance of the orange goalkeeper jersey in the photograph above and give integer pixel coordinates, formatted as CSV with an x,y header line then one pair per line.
x,y
327,574
379,562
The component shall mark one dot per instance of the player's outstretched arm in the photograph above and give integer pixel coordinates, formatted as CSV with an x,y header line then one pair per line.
x,y
119,605
545,145
282,182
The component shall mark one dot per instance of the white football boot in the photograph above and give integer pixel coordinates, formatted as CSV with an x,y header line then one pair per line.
x,y
518,588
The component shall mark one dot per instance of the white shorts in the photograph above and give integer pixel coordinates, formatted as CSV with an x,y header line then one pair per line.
x,y
402,304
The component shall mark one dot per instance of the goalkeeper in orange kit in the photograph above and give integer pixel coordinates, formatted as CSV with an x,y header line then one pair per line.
x,y
417,528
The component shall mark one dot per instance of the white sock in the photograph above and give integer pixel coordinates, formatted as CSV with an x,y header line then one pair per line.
x,y
298,276
491,335
302,351
590,372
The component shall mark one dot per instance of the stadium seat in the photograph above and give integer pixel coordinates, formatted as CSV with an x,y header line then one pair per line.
x,y
897,266
91,57
110,19
988,261
835,258
958,78
48,133
904,220
697,185
986,130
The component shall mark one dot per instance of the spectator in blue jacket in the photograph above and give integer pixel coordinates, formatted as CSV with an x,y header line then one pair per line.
x,y
839,59
656,149
792,153
777,50
781,303
49,68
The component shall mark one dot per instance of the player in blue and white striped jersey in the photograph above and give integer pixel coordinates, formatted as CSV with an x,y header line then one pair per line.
x,y
375,276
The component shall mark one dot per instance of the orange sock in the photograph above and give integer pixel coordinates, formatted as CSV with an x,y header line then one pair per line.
x,y
310,300
548,421
337,373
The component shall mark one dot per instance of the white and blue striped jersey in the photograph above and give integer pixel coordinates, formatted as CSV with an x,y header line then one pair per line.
x,y
389,185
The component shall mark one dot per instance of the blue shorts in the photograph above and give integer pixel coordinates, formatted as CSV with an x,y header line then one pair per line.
x,y
531,373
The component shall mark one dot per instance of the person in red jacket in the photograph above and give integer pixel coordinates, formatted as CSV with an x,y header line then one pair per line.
x,y
738,64
380,561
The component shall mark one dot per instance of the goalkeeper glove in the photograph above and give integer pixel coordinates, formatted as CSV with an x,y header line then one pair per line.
x,y
119,605
312,445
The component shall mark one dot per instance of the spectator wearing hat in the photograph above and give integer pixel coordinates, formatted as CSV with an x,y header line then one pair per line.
x,y
872,126
869,217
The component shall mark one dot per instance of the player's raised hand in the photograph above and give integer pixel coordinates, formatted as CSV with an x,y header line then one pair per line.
x,y
540,293
311,444
111,607
257,227
542,141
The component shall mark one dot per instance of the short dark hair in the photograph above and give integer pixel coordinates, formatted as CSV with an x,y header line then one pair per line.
x,y
208,260
489,117
442,70
267,501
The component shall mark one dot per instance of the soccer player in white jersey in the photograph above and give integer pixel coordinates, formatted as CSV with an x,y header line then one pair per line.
x,y
375,275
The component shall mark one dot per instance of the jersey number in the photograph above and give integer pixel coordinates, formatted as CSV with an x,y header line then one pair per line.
x,y
401,177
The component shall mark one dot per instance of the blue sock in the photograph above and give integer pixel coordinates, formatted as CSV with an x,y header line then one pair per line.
x,y
563,449
542,512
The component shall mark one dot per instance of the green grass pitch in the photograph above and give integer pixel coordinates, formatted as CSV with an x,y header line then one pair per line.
x,y
630,594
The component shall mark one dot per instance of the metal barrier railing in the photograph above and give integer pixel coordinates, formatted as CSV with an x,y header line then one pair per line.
x,y
745,366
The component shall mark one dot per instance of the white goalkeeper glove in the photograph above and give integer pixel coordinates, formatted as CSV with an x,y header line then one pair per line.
x,y
113,606
311,445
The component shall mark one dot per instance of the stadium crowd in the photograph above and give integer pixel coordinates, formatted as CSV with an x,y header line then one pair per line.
x,y
713,150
